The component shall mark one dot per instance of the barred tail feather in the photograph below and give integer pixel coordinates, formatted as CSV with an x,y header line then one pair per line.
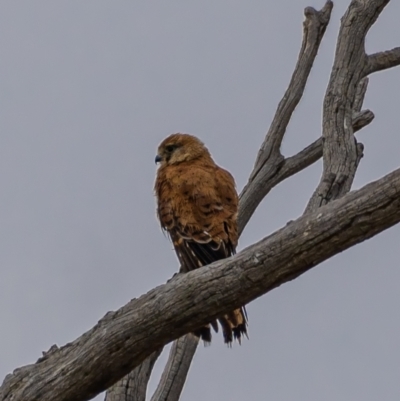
x,y
234,326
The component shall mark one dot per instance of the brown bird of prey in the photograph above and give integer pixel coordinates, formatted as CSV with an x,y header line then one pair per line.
x,y
197,204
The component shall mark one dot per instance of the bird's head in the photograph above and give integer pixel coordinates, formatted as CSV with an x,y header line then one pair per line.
x,y
178,148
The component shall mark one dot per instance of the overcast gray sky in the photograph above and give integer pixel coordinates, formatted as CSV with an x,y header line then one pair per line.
x,y
88,90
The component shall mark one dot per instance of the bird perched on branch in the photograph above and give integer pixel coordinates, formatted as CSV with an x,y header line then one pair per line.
x,y
197,204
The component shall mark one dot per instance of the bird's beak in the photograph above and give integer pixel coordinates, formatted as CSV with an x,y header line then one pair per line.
x,y
158,159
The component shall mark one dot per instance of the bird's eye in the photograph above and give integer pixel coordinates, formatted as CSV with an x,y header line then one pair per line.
x,y
170,148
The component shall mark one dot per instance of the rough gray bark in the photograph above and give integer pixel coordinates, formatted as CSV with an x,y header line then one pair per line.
x,y
128,339
125,338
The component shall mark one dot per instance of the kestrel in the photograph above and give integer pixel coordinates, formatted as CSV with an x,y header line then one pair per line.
x,y
197,205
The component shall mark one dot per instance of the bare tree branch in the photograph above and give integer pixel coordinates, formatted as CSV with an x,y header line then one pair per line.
x,y
341,153
125,338
312,153
314,28
270,159
383,60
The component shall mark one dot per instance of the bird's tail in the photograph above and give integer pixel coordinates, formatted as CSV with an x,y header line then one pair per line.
x,y
234,326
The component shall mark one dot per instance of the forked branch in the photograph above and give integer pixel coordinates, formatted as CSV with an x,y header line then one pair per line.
x,y
269,159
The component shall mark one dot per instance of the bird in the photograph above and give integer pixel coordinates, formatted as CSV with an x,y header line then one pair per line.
x,y
197,206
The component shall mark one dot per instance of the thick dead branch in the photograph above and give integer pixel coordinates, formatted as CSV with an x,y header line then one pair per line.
x,y
383,60
270,159
341,154
125,338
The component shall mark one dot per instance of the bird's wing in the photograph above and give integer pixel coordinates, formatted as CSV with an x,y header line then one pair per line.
x,y
197,205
